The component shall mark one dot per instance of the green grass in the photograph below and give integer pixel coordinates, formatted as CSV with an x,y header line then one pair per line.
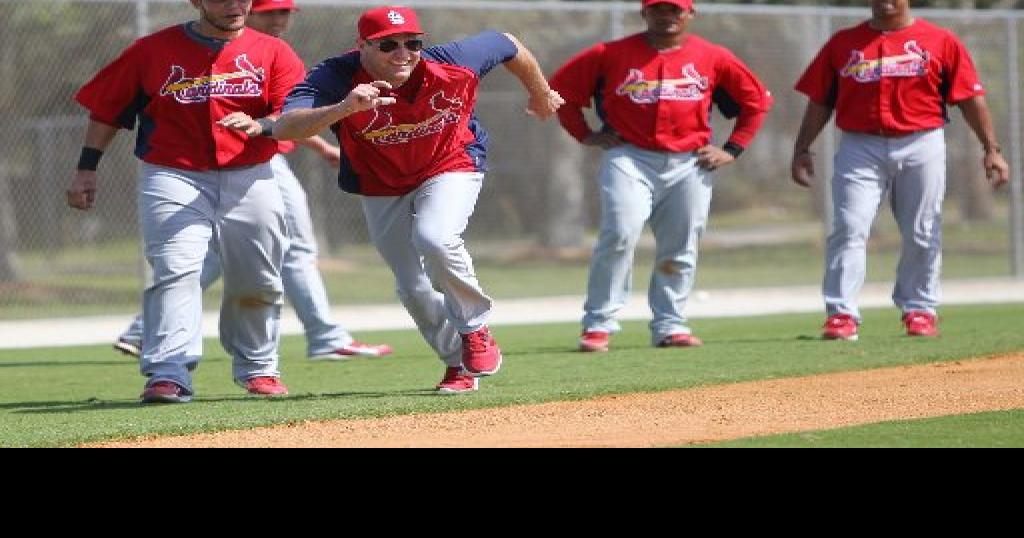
x,y
59,397
1004,429
104,279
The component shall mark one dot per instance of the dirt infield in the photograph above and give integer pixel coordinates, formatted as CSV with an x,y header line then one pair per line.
x,y
680,417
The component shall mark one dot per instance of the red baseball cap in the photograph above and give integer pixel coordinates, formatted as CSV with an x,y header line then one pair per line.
x,y
389,20
683,4
259,6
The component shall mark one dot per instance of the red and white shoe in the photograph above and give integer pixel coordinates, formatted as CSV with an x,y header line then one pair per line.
x,y
681,340
480,353
841,327
594,341
165,392
457,382
353,350
921,323
265,386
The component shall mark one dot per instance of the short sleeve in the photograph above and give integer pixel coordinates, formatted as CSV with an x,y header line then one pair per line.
x,y
115,95
481,52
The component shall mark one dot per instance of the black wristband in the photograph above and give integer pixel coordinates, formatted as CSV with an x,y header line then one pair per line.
x,y
267,125
733,149
89,159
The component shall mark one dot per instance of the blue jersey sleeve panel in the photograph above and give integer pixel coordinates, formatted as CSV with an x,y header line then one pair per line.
x,y
328,84
480,53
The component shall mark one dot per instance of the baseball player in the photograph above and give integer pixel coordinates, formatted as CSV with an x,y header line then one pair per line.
x,y
201,186
654,91
303,284
413,147
889,81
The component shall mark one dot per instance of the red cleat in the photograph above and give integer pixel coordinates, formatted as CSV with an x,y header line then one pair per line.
x,y
681,340
841,327
266,386
456,382
920,323
594,341
480,353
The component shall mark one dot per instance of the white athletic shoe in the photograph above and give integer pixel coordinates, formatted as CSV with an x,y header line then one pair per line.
x,y
129,347
354,350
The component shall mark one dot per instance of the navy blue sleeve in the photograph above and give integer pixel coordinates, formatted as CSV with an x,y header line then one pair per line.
x,y
327,84
481,52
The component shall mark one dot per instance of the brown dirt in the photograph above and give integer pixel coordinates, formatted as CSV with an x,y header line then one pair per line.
x,y
681,417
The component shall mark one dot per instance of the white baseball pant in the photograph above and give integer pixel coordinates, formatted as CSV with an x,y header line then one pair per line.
x,y
303,284
419,235
674,194
913,169
239,213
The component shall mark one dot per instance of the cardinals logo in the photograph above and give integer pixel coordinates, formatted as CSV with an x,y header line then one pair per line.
x,y
913,63
690,87
382,130
246,82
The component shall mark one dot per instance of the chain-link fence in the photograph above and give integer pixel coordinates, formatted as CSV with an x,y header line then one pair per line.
x,y
537,213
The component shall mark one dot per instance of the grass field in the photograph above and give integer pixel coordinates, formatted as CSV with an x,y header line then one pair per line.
x,y
59,397
104,279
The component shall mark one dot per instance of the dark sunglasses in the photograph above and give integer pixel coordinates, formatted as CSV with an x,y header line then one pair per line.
x,y
390,45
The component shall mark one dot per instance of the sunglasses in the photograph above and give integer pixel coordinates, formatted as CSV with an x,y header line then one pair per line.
x,y
390,45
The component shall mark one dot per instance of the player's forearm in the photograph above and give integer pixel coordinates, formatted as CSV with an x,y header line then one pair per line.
x,y
978,117
574,122
99,135
815,119
747,126
526,68
306,123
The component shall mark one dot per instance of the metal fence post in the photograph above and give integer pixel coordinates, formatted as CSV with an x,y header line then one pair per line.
x,y
1017,181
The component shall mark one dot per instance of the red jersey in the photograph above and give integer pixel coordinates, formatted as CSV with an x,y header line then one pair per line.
x,y
661,100
891,83
431,129
179,84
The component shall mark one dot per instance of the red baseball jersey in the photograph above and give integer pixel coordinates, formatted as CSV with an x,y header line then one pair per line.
x,y
432,129
661,100
179,84
891,83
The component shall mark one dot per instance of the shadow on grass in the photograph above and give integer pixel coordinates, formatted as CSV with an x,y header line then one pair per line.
x,y
57,407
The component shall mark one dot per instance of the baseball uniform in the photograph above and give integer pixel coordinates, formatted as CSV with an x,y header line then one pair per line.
x,y
659,103
890,91
203,186
419,165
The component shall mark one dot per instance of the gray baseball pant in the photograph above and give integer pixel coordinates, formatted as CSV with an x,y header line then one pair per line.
x,y
867,167
672,192
238,213
419,235
303,284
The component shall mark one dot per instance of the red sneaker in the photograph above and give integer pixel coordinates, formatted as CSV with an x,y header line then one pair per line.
x,y
165,392
354,349
920,323
594,341
841,327
681,340
266,386
480,353
456,382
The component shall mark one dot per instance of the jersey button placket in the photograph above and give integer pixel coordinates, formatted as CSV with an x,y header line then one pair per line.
x,y
884,89
663,119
